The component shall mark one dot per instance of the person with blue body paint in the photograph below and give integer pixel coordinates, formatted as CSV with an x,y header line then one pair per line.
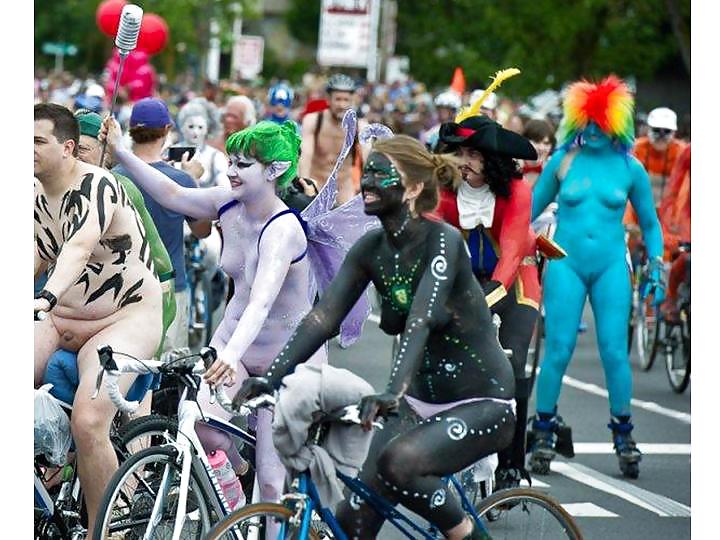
x,y
593,176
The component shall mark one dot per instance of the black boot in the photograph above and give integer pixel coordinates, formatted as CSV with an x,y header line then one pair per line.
x,y
511,460
629,456
549,436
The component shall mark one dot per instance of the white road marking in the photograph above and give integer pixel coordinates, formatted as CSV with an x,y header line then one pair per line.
x,y
647,405
658,504
376,319
535,483
587,510
645,448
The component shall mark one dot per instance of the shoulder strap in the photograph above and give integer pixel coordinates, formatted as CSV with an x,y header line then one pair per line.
x,y
564,166
303,224
318,125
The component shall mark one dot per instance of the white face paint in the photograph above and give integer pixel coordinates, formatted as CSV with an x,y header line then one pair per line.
x,y
246,175
194,130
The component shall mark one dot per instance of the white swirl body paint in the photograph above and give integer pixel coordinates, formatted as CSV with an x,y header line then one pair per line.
x,y
438,267
457,428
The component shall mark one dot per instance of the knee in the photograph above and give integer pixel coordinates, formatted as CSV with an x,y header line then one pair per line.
x,y
89,427
397,463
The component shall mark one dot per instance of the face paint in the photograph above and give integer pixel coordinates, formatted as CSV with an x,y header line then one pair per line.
x,y
246,175
381,185
194,130
594,137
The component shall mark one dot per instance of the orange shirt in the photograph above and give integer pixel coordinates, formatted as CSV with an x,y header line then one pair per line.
x,y
658,164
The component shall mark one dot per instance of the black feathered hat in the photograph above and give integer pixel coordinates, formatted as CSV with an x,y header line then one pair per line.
x,y
482,133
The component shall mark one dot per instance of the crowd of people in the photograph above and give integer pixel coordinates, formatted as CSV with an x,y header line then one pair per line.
x,y
450,211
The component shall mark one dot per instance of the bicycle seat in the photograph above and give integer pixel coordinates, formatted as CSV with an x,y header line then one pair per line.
x,y
62,373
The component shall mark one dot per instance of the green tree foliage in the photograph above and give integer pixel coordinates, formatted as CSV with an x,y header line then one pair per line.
x,y
303,20
73,21
550,41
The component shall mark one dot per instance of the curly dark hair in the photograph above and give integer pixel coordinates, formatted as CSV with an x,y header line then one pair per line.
x,y
498,172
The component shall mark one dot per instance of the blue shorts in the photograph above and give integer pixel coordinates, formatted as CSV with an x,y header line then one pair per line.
x,y
62,373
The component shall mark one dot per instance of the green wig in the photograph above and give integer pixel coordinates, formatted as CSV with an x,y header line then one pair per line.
x,y
267,142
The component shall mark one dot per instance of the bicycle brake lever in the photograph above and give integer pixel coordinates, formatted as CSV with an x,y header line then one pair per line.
x,y
98,382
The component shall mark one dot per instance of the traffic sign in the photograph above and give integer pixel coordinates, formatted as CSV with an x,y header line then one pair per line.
x,y
59,48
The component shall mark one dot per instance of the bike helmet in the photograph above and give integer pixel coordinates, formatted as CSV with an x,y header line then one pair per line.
x,y
449,100
281,94
340,83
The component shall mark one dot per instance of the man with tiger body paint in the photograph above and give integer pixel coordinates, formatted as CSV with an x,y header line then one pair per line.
x,y
101,287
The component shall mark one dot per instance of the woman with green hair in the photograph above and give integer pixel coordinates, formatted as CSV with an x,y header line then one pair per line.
x,y
264,253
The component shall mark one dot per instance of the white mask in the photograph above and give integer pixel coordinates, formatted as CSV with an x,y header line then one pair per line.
x,y
194,130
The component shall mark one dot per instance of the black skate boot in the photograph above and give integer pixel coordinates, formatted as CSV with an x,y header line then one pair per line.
x,y
629,456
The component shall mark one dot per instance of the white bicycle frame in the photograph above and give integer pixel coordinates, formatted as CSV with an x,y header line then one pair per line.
x,y
187,441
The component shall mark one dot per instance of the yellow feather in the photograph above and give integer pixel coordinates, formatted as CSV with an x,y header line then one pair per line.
x,y
500,77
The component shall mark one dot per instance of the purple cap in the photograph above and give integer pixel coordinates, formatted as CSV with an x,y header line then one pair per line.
x,y
150,113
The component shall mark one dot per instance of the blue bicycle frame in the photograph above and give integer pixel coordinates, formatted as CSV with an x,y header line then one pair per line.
x,y
304,486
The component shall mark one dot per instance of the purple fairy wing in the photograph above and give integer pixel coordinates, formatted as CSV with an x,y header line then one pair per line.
x,y
374,132
331,232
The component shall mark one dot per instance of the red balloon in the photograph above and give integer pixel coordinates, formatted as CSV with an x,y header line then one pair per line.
x,y
154,34
107,16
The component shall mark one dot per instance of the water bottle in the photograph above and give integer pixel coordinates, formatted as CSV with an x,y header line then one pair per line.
x,y
228,480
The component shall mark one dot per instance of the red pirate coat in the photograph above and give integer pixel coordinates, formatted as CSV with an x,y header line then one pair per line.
x,y
506,251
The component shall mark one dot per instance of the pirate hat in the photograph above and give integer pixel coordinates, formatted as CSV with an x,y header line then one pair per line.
x,y
482,133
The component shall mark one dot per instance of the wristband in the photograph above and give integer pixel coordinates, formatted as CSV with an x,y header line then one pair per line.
x,y
47,295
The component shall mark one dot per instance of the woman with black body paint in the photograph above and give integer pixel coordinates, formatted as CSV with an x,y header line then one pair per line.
x,y
450,385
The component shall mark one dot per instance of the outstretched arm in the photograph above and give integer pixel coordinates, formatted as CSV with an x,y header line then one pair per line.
x,y
547,185
195,203
323,322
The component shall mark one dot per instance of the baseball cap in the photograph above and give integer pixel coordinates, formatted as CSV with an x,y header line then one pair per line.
x,y
90,123
662,118
150,113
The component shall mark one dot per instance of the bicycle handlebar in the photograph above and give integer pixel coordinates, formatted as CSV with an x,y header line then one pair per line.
x,y
109,365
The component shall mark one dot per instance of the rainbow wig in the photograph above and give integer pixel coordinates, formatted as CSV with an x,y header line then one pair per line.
x,y
267,142
608,103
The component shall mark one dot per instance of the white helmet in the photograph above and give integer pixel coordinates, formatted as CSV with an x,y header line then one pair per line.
x,y
449,100
662,118
490,102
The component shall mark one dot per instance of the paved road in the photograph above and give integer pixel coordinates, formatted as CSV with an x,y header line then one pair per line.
x,y
608,507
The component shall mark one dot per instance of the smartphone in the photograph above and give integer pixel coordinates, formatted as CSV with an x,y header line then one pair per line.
x,y
175,153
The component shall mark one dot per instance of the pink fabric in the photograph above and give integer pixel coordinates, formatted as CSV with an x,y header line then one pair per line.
x,y
426,410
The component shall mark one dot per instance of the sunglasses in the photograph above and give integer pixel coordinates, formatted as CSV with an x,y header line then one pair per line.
x,y
661,131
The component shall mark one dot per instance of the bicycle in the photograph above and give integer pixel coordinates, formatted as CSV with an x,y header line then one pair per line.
x,y
677,337
642,327
59,511
200,316
672,338
170,489
301,515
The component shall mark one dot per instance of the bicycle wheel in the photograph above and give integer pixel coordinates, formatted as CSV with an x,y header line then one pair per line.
x,y
677,359
644,335
249,522
129,499
145,432
527,513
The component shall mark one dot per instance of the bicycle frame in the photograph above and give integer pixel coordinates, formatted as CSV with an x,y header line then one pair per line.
x,y
306,493
192,454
